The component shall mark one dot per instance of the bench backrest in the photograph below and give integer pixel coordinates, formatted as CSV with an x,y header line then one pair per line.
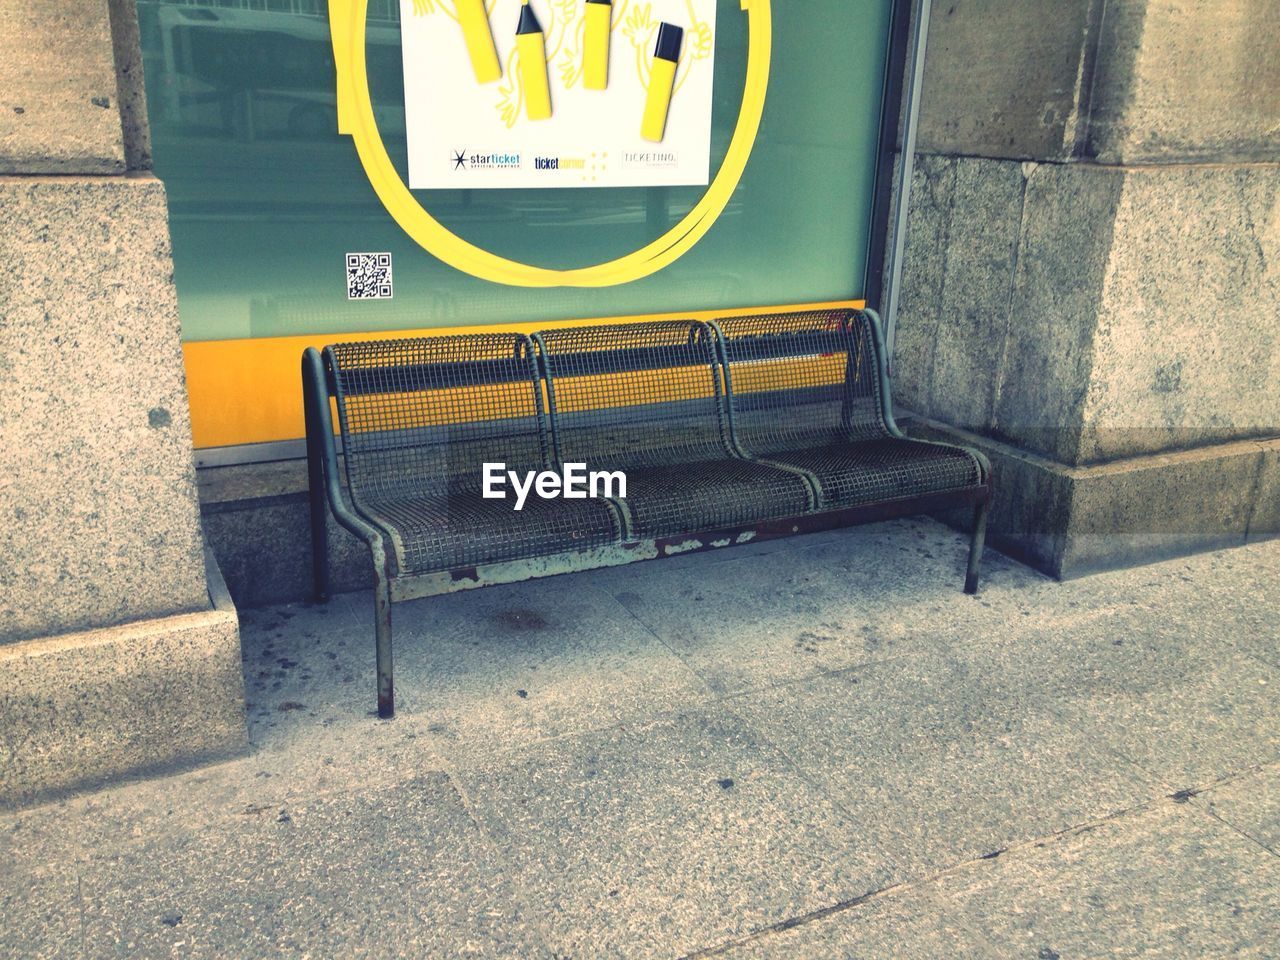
x,y
634,395
803,379
422,416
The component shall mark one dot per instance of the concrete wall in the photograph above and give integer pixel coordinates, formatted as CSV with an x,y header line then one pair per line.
x,y
1187,80
1122,81
1092,272
115,661
1093,313
1187,344
1008,79
99,522
58,109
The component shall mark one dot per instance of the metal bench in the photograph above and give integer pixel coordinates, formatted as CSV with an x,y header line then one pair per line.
x,y
746,429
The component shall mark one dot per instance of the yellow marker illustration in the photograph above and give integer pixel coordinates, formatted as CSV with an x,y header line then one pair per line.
x,y
532,49
474,20
437,239
662,79
595,46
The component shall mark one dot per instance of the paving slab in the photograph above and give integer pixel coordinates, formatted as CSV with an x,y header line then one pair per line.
x,y
1169,881
40,917
593,743
1169,693
1250,803
522,662
334,760
306,666
310,730
660,839
402,872
817,605
310,684
940,762
910,923
1231,595
1164,881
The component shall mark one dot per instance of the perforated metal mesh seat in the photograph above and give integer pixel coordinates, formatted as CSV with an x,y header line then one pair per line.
x,y
464,529
806,392
689,498
420,418
646,399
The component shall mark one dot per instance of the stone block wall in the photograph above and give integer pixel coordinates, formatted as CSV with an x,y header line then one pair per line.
x,y
99,521
1093,256
116,660
58,112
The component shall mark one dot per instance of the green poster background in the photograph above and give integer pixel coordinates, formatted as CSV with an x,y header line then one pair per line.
x,y
266,199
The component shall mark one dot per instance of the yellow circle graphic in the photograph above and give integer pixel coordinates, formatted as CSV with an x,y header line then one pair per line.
x,y
355,116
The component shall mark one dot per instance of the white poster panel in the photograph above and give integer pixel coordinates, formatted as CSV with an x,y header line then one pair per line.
x,y
464,133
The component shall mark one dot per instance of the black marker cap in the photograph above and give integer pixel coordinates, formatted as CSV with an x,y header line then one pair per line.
x,y
669,39
607,3
528,22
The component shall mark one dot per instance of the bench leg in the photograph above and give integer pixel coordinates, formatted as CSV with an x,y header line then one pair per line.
x,y
319,509
382,635
976,543
319,548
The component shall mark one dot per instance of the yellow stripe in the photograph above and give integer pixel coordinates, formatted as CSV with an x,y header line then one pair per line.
x,y
250,391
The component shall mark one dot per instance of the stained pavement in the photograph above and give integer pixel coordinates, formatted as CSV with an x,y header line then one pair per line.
x,y
813,748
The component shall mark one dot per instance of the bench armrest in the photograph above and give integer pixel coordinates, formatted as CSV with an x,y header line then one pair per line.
x,y
882,370
322,454
984,464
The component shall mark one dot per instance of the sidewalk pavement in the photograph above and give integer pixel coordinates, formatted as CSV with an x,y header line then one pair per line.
x,y
812,748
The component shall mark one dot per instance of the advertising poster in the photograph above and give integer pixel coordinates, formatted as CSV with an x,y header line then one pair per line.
x,y
482,117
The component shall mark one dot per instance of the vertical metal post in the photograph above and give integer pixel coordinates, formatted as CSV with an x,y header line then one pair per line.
x,y
906,169
976,543
382,633
312,392
319,525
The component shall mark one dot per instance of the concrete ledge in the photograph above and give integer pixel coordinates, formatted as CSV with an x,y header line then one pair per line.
x,y
257,522
1073,521
80,709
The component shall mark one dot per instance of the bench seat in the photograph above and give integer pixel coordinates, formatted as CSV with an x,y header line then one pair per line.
x,y
648,399
851,473
463,529
673,499
806,390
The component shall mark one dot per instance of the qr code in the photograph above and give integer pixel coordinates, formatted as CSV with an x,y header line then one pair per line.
x,y
368,276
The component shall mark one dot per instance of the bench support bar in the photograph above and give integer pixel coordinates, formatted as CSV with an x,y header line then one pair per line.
x,y
515,571
382,638
322,465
